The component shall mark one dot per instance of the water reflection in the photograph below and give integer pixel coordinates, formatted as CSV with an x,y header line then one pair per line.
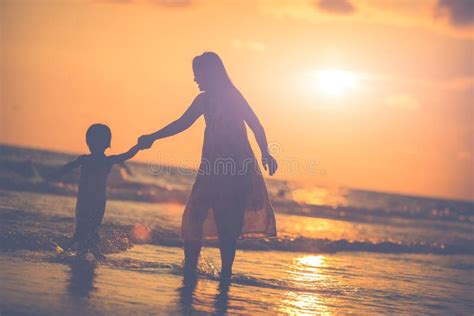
x,y
305,273
191,300
311,261
186,294
221,303
81,280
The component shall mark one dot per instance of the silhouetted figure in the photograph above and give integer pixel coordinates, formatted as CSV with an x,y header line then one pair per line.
x,y
81,281
229,199
221,303
186,294
91,195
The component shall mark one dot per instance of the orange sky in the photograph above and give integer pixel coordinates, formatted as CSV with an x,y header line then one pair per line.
x,y
407,126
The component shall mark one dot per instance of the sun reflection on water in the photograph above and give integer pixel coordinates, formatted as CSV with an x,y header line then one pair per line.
x,y
312,261
305,272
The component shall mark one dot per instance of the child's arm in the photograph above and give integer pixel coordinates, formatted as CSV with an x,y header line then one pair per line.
x,y
67,168
125,156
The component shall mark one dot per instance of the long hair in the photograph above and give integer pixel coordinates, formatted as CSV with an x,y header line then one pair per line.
x,y
212,66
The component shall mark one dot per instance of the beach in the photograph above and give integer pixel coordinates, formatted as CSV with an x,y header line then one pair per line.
x,y
368,253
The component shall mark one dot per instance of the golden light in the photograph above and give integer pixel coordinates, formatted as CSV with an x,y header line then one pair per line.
x,y
312,261
141,233
335,82
307,270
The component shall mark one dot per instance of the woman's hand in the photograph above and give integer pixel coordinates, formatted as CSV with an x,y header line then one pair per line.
x,y
145,141
269,163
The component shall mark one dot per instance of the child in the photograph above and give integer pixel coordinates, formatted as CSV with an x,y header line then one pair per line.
x,y
91,195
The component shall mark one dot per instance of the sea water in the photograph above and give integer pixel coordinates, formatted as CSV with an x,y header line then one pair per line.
x,y
341,252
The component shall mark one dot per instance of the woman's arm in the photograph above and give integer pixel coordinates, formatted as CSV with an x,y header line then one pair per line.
x,y
253,122
184,122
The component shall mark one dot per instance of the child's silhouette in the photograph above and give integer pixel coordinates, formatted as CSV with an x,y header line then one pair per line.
x,y
91,195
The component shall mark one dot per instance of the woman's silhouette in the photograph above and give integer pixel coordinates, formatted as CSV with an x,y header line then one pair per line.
x,y
229,199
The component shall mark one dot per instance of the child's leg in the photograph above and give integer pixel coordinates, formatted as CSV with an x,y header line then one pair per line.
x,y
94,243
95,237
90,225
80,235
91,239
96,222
85,234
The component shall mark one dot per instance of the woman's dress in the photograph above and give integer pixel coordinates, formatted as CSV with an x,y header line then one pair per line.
x,y
229,198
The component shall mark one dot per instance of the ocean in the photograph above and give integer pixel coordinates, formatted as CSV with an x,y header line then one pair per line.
x,y
338,250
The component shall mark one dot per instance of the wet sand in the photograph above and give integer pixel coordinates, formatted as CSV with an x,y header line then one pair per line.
x,y
147,279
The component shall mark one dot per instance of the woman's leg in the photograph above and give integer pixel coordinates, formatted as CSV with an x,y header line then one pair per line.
x,y
192,249
229,227
227,248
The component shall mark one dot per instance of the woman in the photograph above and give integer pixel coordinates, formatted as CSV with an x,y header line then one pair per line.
x,y
229,199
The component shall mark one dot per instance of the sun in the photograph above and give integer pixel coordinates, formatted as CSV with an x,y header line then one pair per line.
x,y
334,82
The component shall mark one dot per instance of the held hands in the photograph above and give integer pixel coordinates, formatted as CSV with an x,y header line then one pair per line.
x,y
145,141
269,163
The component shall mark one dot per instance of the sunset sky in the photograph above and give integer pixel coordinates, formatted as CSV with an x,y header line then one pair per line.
x,y
374,94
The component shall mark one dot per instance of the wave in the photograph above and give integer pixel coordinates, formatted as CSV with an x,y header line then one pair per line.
x,y
136,184
32,177
23,230
442,211
125,189
206,269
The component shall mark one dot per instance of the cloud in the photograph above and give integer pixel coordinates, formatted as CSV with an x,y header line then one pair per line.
x,y
402,101
464,155
249,45
336,6
460,84
422,14
164,3
114,1
172,3
460,12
